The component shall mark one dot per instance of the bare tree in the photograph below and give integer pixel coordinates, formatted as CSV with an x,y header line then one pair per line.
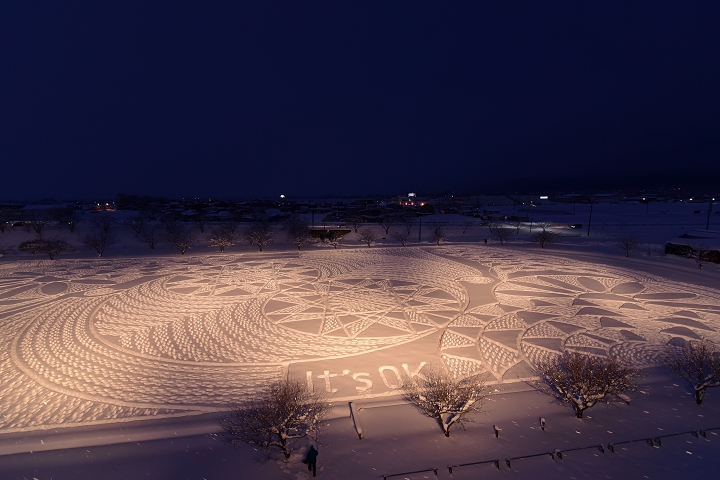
x,y
7,215
437,233
699,253
200,220
149,234
698,362
36,225
32,246
386,222
583,380
54,246
51,247
447,400
298,231
502,233
179,236
355,221
333,237
258,214
99,241
273,420
544,236
367,236
232,224
401,237
259,234
408,223
66,217
629,243
136,223
151,211
104,222
222,238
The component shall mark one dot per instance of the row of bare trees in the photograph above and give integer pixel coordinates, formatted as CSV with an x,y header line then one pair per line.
x,y
180,234
289,410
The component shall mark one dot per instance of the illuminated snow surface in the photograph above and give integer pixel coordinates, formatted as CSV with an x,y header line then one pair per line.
x,y
96,342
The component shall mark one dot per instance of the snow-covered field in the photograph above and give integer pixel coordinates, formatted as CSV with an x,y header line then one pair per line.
x,y
149,349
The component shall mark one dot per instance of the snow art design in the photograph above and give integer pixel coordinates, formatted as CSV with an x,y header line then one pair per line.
x,y
92,341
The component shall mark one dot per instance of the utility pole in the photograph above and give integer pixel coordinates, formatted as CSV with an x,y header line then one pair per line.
x,y
420,230
531,215
590,219
707,226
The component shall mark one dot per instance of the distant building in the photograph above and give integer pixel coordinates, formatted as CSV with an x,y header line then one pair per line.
x,y
689,244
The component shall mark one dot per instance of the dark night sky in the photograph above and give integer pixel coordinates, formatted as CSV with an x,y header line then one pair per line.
x,y
307,98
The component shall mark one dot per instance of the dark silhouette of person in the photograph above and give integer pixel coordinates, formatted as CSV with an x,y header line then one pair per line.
x,y
311,458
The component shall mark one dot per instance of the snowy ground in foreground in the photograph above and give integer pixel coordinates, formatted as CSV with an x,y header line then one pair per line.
x,y
90,343
398,439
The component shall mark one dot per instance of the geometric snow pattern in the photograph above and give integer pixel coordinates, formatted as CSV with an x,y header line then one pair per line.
x,y
359,303
497,358
572,305
543,330
462,367
506,322
453,340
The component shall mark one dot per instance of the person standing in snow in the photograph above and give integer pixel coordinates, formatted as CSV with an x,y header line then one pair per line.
x,y
312,459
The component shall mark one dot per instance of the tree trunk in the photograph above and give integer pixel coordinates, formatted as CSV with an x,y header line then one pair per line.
x,y
445,428
260,245
283,446
699,396
578,412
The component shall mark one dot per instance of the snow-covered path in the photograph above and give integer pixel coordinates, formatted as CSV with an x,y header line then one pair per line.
x,y
399,439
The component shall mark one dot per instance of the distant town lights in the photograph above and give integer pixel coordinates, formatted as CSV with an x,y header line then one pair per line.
x,y
282,196
411,194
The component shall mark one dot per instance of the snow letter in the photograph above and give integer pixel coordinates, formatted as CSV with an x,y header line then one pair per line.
x,y
310,385
366,381
398,384
327,376
416,373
